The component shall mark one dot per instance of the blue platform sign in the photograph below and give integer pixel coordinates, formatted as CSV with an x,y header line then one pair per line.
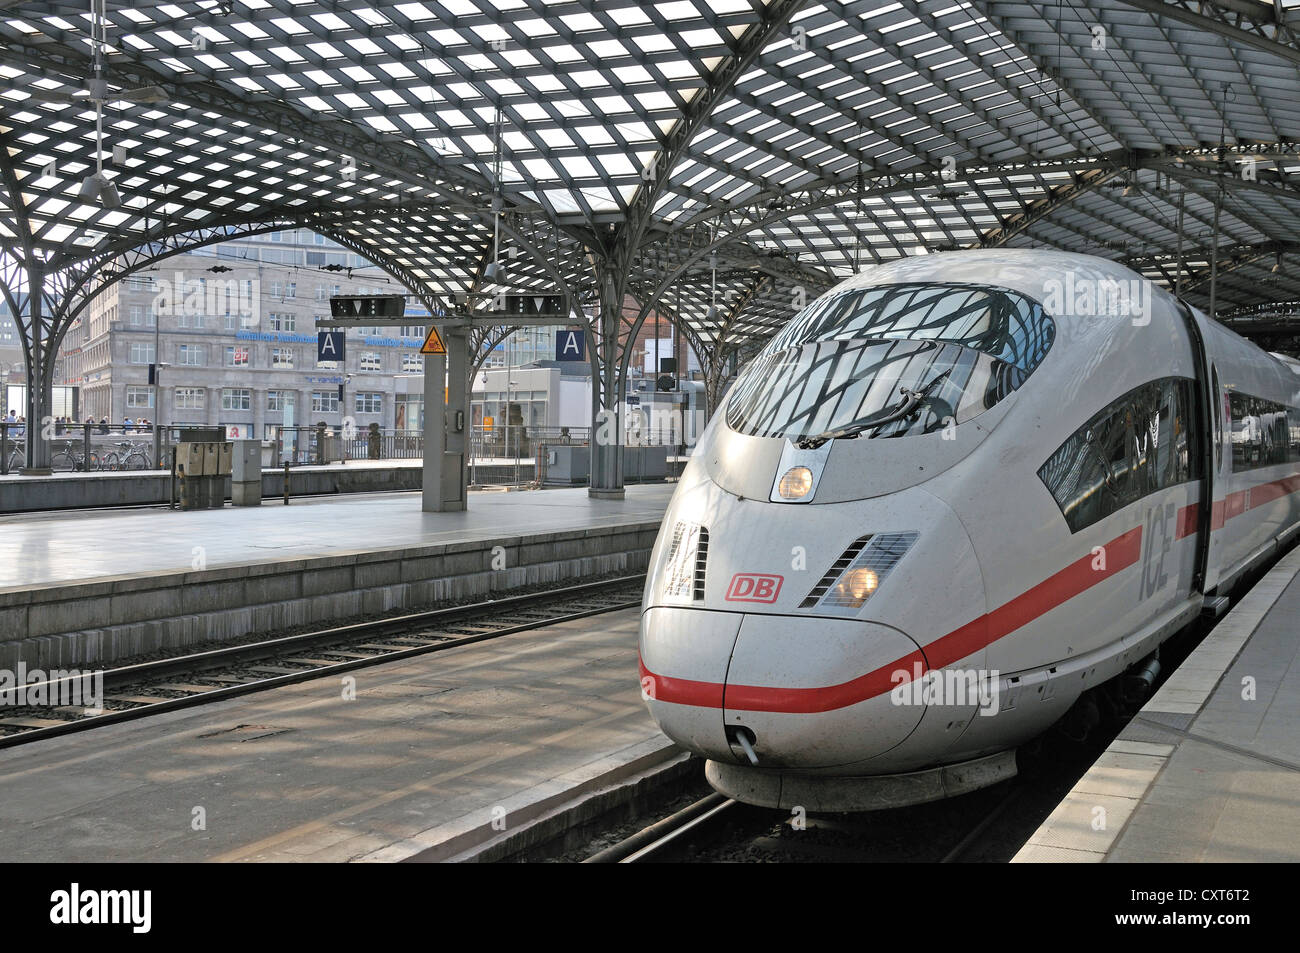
x,y
570,345
331,346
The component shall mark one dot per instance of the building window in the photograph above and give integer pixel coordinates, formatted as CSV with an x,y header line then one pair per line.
x,y
277,236
237,356
412,363
236,398
318,239
191,355
189,398
276,288
371,361
139,397
142,352
413,331
282,357
320,292
136,314
369,402
409,412
291,290
278,399
325,401
283,322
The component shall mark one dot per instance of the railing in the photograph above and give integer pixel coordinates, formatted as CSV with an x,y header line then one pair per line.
x,y
81,447
503,455
378,445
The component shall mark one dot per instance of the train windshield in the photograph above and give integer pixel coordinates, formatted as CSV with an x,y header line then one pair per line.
x,y
891,361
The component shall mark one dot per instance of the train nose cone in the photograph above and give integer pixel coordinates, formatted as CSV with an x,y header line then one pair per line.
x,y
816,692
803,692
684,657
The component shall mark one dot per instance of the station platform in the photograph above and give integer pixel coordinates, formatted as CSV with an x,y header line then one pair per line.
x,y
435,754
99,488
91,587
1209,770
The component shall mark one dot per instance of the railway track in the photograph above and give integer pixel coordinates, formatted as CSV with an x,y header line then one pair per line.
x,y
154,687
719,829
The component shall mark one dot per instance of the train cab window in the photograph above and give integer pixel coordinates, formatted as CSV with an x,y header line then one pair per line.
x,y
846,365
1139,444
1263,432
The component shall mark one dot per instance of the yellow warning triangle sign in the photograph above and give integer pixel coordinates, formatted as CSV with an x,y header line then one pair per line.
x,y
433,343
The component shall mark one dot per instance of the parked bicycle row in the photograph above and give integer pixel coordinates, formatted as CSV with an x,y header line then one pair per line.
x,y
68,455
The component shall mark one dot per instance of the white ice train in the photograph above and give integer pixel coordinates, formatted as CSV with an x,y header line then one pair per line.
x,y
949,497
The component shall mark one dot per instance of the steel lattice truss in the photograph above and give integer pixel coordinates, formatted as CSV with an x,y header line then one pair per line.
x,y
777,144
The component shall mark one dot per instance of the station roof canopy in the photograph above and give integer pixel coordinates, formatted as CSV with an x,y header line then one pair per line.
x,y
740,153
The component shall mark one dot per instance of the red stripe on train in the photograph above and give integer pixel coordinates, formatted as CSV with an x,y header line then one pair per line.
x,y
1236,503
1078,577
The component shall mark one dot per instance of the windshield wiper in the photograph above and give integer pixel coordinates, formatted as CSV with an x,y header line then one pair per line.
x,y
911,401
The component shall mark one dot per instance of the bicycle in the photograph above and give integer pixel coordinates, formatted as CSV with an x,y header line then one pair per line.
x,y
17,455
131,456
71,457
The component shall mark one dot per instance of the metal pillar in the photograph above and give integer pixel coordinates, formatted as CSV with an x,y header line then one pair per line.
x,y
607,398
435,370
39,377
457,416
444,425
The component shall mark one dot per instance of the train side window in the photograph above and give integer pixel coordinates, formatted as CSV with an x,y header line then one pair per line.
x,y
1260,432
1136,445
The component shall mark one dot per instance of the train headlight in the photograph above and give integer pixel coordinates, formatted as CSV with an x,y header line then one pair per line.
x,y
858,573
796,483
855,585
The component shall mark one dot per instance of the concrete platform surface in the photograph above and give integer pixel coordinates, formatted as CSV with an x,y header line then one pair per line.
x,y
1209,770
39,549
429,749
99,488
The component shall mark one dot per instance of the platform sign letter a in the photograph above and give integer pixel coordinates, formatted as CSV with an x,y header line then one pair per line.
x,y
570,345
330,346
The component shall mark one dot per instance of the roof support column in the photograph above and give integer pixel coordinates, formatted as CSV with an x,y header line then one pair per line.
x,y
608,385
40,376
716,363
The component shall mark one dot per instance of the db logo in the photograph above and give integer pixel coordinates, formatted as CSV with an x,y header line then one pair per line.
x,y
753,587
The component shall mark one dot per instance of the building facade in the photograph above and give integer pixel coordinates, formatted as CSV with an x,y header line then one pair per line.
x,y
12,368
231,330
230,333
